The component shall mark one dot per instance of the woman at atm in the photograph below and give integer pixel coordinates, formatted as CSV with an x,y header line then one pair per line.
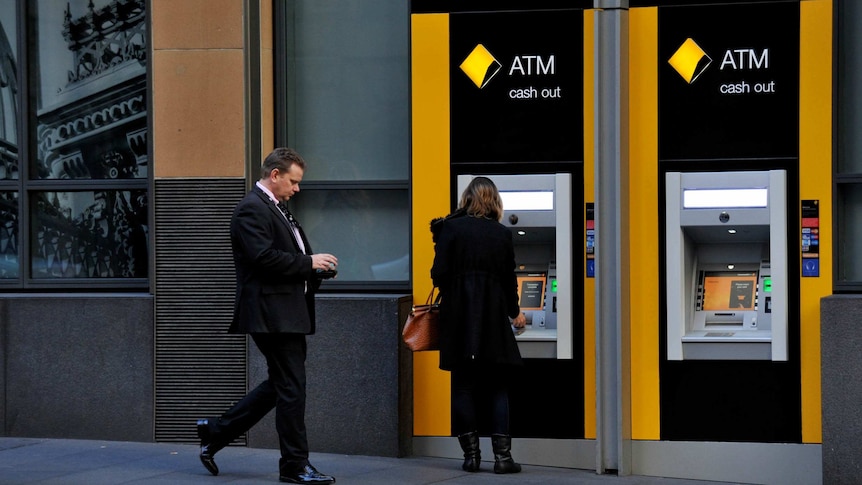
x,y
474,268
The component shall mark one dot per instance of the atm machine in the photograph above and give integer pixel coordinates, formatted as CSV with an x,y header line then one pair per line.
x,y
726,255
537,209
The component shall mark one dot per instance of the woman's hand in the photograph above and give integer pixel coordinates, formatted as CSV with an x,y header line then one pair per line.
x,y
520,321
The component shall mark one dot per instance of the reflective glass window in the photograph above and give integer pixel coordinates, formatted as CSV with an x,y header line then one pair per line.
x,y
347,112
849,233
9,241
350,99
10,264
89,234
74,175
363,228
848,163
90,90
9,94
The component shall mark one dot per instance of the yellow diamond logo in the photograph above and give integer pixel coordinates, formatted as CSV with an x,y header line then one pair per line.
x,y
690,60
480,66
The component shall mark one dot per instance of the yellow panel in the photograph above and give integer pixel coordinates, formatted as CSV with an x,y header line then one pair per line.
x,y
589,196
430,193
815,182
643,207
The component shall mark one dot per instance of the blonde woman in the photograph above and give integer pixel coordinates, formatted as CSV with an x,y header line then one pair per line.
x,y
474,268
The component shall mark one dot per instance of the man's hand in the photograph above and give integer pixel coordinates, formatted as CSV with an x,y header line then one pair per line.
x,y
324,262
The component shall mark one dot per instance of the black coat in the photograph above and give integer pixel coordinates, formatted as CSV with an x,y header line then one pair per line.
x,y
275,283
474,268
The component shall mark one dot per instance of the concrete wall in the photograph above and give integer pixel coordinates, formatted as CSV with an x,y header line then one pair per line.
x,y
81,367
360,379
78,366
841,368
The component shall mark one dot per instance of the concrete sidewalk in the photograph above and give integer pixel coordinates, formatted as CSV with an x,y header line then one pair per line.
x,y
76,462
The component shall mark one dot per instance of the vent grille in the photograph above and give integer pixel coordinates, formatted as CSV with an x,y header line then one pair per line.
x,y
200,368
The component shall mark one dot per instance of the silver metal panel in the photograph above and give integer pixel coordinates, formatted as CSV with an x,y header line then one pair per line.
x,y
767,463
613,312
738,217
697,239
555,228
727,350
565,282
580,454
537,350
675,262
778,250
724,180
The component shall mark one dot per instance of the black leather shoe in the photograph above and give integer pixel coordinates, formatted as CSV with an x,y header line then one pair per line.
x,y
306,474
208,449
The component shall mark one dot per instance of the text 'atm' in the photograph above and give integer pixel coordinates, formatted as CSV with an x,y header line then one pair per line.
x,y
537,209
726,251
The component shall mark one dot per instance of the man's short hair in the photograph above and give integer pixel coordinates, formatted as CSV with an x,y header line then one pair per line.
x,y
281,159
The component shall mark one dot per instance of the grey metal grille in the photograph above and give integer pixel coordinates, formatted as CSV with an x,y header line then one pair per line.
x,y
200,368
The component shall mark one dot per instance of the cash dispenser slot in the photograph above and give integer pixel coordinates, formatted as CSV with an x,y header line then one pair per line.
x,y
724,318
726,259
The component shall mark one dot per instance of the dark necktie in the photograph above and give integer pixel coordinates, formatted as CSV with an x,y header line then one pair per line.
x,y
284,210
294,225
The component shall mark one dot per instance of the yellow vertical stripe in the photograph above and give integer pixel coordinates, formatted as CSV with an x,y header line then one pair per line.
x,y
643,211
430,194
815,182
589,196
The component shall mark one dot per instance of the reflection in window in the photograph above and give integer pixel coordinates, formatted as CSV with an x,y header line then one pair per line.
x,y
849,232
348,113
364,229
88,111
9,267
8,94
91,78
99,234
355,92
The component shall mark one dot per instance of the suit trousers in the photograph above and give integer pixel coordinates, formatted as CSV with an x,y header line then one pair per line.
x,y
284,390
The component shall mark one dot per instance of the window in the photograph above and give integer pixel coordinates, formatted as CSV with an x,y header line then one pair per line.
x,y
73,145
346,98
848,172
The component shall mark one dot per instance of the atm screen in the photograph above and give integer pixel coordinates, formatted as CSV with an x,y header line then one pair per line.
x,y
728,290
531,291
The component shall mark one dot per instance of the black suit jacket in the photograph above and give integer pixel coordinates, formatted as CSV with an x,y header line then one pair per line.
x,y
275,282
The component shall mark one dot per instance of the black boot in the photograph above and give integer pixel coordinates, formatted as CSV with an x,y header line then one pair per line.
x,y
472,455
503,462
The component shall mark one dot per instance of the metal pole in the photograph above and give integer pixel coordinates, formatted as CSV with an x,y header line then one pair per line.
x,y
612,339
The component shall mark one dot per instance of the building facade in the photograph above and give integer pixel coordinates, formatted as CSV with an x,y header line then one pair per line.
x,y
130,128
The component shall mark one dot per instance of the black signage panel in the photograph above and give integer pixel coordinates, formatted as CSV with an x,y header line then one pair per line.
x,y
728,81
516,82
452,6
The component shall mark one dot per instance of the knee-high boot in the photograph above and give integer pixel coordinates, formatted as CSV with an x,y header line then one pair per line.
x,y
503,462
472,456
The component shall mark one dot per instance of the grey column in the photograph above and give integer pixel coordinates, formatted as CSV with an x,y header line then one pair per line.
x,y
612,316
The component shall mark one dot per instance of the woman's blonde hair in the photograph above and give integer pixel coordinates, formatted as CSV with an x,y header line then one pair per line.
x,y
482,199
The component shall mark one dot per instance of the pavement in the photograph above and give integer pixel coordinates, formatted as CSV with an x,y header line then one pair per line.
x,y
82,462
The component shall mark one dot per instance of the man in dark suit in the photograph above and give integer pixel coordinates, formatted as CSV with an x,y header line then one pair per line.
x,y
277,275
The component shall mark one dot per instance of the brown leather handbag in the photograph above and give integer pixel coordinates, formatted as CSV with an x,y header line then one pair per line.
x,y
421,331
